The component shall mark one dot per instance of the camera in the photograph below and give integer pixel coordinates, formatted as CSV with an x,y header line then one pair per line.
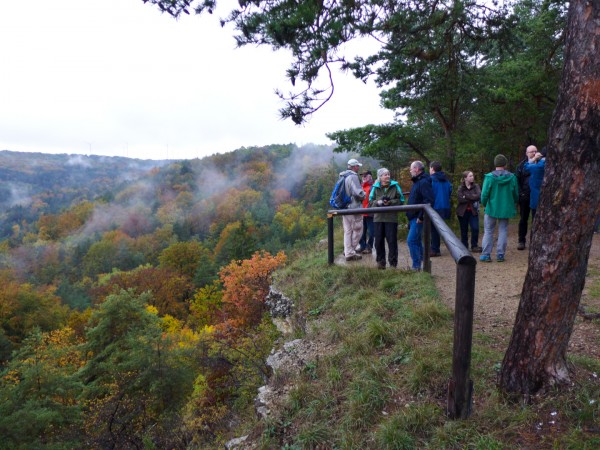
x,y
385,198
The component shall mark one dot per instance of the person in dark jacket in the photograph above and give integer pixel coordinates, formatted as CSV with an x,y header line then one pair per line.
x,y
469,196
524,195
442,190
386,192
420,193
536,168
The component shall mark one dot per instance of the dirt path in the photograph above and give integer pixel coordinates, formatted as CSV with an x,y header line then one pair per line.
x,y
498,290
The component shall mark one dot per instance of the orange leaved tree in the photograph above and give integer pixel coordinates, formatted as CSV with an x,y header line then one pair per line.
x,y
245,287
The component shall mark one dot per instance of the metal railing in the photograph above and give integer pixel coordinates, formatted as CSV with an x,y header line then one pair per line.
x,y
460,386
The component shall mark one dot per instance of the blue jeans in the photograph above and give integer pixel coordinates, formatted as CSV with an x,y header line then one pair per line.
x,y
414,241
368,230
489,224
466,221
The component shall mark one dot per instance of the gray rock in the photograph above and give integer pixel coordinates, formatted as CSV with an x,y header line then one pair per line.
x,y
262,401
236,443
279,305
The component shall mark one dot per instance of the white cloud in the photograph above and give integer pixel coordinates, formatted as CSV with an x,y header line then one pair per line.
x,y
116,77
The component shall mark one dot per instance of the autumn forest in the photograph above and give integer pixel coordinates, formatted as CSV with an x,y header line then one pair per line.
x,y
132,292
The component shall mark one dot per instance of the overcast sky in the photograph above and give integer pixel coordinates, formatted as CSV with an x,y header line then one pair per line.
x,y
117,77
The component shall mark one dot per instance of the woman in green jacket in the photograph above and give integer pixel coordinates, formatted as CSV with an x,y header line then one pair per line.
x,y
386,192
499,195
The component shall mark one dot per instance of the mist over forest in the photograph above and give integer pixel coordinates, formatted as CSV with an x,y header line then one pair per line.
x,y
163,251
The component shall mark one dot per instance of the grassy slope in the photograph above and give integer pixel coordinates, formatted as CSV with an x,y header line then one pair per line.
x,y
383,386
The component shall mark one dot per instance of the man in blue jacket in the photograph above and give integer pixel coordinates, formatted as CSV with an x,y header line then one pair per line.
x,y
442,189
420,193
536,167
524,195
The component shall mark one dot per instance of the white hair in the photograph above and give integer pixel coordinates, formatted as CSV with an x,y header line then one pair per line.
x,y
381,172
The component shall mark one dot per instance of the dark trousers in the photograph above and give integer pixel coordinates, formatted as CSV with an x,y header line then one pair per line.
x,y
524,213
466,221
435,240
435,235
366,241
386,232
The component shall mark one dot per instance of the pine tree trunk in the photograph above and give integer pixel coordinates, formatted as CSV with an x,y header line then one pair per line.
x,y
563,227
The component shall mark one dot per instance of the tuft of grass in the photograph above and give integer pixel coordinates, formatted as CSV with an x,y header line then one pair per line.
x,y
594,286
313,435
429,371
298,397
591,364
431,315
378,333
334,378
366,399
402,430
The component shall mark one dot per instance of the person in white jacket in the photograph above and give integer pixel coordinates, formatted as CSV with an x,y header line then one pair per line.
x,y
353,224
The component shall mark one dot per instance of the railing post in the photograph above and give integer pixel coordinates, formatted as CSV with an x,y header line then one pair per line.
x,y
460,388
330,238
426,242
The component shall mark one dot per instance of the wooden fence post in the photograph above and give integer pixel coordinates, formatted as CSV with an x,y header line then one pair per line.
x,y
330,257
426,243
460,388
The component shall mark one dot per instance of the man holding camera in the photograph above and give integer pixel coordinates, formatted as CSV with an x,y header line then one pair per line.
x,y
386,192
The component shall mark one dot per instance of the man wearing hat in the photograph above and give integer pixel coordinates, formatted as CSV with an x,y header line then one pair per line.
x,y
353,224
499,196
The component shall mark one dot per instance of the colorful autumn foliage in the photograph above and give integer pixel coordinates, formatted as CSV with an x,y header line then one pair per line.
x,y
245,287
169,290
138,316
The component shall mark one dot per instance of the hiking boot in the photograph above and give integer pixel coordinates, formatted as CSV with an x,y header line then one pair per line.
x,y
434,254
521,246
476,249
353,258
485,258
381,266
500,258
367,251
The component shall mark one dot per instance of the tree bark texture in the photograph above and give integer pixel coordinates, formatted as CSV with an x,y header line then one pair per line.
x,y
563,227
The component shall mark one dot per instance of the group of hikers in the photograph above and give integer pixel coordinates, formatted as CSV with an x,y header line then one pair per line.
x,y
500,194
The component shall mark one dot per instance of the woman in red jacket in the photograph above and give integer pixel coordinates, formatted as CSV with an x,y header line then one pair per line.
x,y
366,241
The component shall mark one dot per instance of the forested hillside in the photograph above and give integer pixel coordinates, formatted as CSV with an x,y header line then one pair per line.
x,y
33,184
132,292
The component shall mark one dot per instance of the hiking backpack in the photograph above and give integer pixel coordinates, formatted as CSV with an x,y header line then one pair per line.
x,y
339,198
